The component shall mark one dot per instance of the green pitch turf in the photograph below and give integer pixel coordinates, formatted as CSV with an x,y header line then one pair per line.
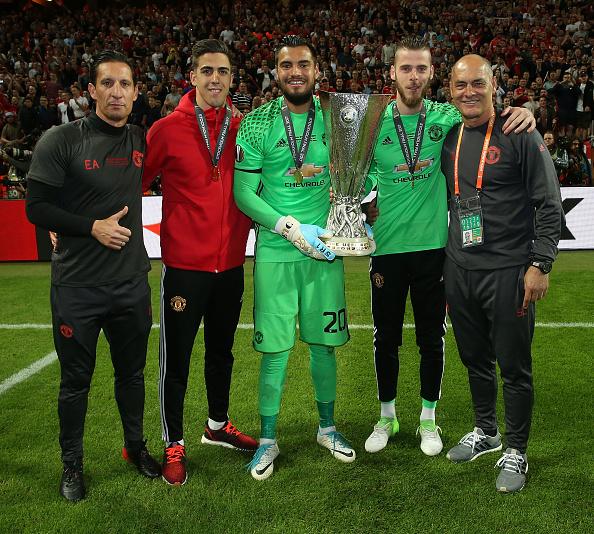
x,y
396,490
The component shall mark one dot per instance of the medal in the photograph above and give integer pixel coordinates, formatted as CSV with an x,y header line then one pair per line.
x,y
221,140
298,153
411,160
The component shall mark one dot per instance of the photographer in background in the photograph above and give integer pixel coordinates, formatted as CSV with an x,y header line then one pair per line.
x,y
18,161
579,172
558,154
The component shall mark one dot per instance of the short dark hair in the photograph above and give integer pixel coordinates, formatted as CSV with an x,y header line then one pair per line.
x,y
108,56
209,46
294,41
412,42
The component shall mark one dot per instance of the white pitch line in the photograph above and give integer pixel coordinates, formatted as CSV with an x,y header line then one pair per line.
x,y
27,372
248,326
37,366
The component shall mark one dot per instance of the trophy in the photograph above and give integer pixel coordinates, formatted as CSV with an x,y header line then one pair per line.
x,y
352,123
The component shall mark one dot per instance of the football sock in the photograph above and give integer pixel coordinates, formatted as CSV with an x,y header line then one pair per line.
x,y
322,364
268,428
215,425
326,411
327,429
179,442
428,410
388,409
273,372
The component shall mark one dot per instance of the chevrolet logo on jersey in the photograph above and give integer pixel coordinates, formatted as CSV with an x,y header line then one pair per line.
x,y
423,164
308,170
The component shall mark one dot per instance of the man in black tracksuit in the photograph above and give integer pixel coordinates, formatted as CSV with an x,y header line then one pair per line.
x,y
84,184
505,224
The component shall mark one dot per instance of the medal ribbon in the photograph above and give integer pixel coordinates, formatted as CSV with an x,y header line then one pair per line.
x,y
221,140
411,160
298,155
481,168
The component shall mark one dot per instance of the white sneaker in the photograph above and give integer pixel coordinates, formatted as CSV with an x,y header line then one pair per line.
x,y
262,464
382,432
431,443
338,446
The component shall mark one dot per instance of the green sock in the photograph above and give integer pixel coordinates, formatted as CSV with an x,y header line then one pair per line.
x,y
428,413
322,363
268,426
326,411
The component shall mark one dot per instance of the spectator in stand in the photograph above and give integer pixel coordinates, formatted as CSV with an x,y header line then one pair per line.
x,y
48,114
28,116
66,113
545,115
579,171
264,77
12,133
585,104
530,104
558,154
153,113
566,93
52,87
78,103
242,100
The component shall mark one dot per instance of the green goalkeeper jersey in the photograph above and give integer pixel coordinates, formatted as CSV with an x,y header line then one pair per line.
x,y
411,218
265,188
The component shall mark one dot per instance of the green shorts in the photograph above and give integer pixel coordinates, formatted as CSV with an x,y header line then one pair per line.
x,y
311,290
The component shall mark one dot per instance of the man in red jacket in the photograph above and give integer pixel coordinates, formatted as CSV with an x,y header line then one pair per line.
x,y
203,240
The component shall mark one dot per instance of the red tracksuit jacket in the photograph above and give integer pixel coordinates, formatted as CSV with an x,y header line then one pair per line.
x,y
202,229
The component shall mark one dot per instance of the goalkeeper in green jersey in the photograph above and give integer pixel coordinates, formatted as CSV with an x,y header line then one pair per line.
x,y
410,233
282,183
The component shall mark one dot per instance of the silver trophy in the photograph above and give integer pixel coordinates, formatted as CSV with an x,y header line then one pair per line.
x,y
352,123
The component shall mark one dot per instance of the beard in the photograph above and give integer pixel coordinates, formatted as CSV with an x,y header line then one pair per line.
x,y
297,99
411,102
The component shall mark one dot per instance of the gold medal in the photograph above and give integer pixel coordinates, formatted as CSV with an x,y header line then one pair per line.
x,y
298,176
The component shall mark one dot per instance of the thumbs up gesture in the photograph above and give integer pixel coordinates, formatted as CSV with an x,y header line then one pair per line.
x,y
109,232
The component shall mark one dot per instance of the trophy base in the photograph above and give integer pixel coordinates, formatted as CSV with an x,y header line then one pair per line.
x,y
350,246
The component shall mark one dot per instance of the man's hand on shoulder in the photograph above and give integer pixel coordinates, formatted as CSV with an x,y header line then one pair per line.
x,y
519,120
109,232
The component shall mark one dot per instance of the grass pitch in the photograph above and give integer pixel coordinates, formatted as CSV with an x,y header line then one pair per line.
x,y
396,490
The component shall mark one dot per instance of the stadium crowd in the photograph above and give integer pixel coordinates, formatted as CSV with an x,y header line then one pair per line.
x,y
540,51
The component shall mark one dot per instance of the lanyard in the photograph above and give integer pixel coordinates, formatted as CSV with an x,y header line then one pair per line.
x,y
481,168
222,139
411,160
298,155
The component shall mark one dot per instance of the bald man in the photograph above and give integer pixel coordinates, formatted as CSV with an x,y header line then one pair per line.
x,y
505,224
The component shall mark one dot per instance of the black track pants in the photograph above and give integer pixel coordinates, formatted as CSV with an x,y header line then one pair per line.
x,y
490,326
123,311
392,276
186,298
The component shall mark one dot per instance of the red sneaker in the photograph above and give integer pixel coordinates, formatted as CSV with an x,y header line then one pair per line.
x,y
229,437
174,465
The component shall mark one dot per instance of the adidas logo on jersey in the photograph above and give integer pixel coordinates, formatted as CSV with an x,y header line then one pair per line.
x,y
281,143
387,141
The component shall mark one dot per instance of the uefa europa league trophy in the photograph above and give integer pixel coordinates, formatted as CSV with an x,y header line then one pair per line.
x,y
352,123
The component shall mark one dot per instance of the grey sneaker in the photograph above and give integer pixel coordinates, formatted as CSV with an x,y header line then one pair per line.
x,y
473,445
514,467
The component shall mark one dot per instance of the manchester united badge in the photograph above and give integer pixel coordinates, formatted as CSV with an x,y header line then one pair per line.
x,y
378,280
178,304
